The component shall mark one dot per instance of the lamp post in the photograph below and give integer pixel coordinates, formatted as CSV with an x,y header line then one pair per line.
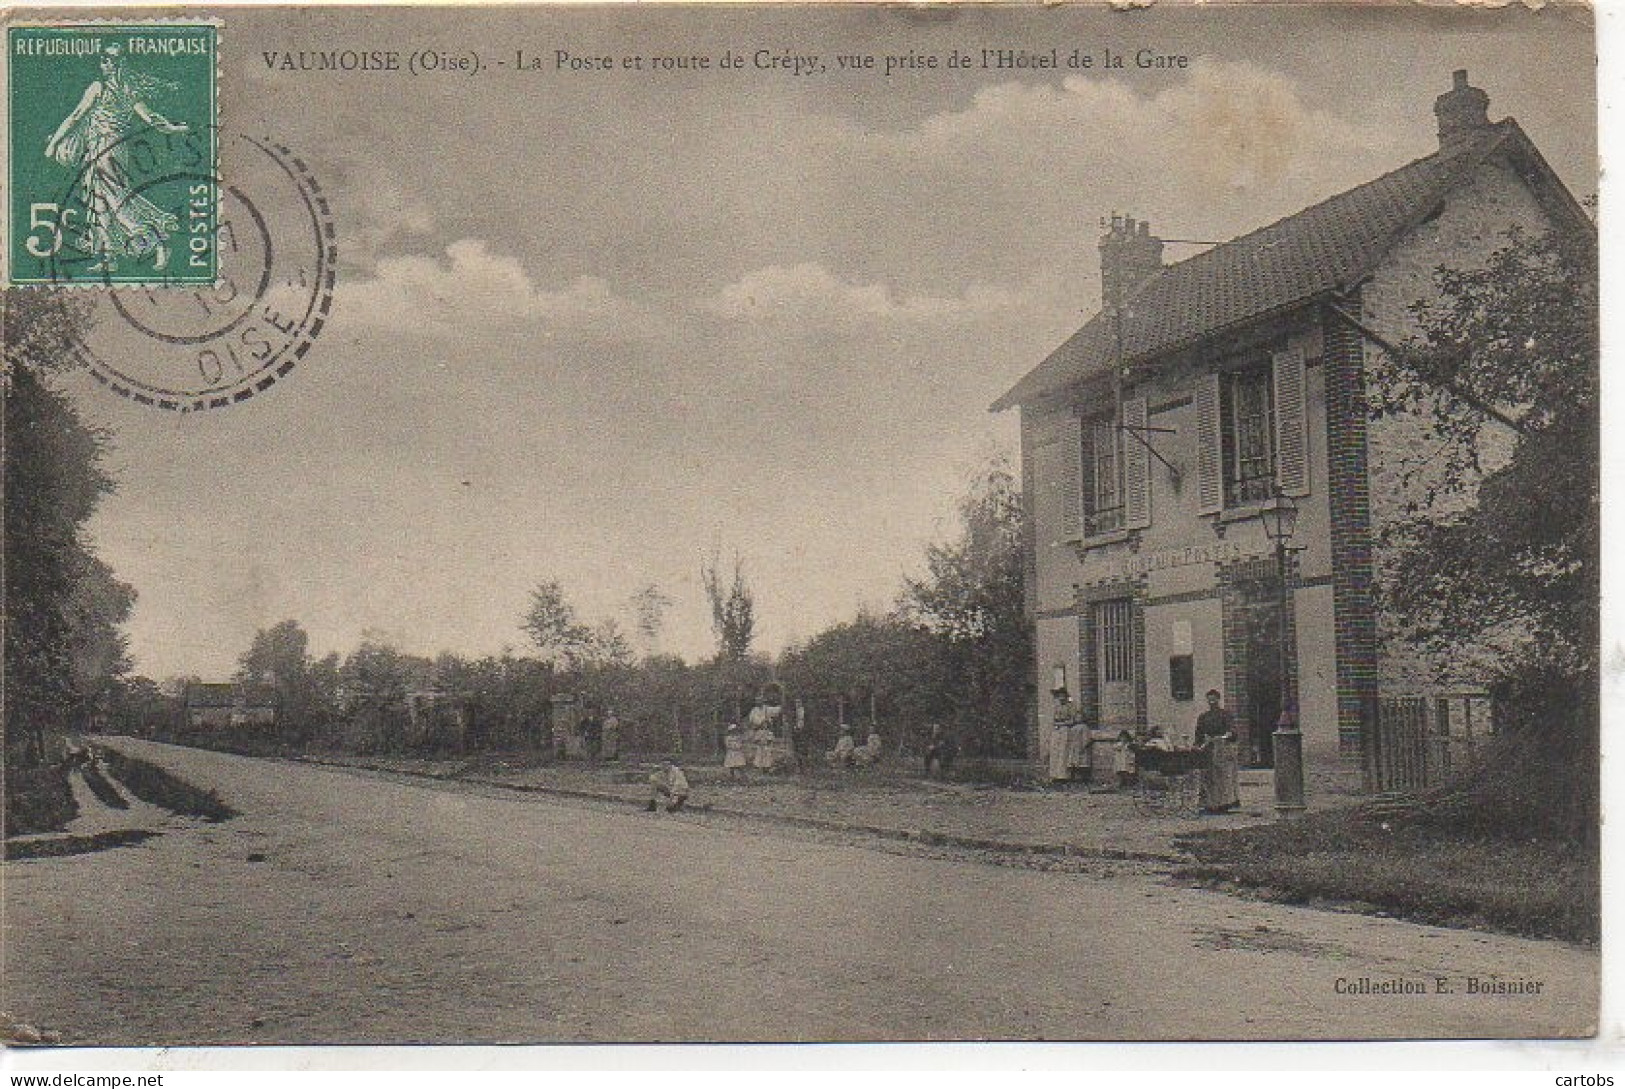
x,y
1280,522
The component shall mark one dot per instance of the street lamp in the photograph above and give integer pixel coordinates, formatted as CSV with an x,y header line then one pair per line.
x,y
1280,520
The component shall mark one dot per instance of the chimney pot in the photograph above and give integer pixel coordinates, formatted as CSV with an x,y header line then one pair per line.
x,y
1462,111
1129,256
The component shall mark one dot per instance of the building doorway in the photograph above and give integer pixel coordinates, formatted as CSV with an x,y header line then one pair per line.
x,y
1115,655
1260,704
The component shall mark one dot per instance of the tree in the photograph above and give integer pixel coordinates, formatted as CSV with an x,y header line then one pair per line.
x,y
175,686
607,647
139,707
552,623
376,679
649,606
1517,551
558,632
733,607
277,655
874,660
972,600
1510,559
99,650
63,605
279,659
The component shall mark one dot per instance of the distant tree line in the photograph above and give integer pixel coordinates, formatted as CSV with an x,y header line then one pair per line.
x,y
952,649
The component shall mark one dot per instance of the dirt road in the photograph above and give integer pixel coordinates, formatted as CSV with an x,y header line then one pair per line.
x,y
351,908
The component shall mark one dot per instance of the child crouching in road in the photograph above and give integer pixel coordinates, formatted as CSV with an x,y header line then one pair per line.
x,y
669,782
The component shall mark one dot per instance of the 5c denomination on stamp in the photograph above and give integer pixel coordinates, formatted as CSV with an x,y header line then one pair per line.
x,y
112,136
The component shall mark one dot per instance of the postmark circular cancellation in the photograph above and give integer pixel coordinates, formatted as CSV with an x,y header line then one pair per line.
x,y
187,347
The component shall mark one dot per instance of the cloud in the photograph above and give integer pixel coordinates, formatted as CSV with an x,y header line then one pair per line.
x,y
1013,181
473,288
810,292
384,214
1235,126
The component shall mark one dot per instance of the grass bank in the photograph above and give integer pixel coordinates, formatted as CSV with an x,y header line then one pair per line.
x,y
38,799
1539,887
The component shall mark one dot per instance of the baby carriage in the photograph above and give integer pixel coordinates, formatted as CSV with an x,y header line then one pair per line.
x,y
1168,782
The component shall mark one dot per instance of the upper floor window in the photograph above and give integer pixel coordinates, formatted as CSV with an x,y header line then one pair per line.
x,y
1106,478
1252,433
1248,409
1114,473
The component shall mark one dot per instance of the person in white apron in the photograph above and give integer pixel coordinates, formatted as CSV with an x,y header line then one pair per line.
x,y
764,738
1060,748
1215,732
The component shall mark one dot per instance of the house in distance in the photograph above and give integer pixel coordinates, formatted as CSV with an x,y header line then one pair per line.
x,y
1161,442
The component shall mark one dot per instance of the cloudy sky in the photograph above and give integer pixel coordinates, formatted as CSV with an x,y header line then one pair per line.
x,y
589,325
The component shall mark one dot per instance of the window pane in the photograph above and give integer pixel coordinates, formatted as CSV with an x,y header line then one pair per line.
x,y
1249,446
1114,635
1108,487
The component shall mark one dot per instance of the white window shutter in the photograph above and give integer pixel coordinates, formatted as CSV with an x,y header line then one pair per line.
x,y
1072,488
1209,448
1136,465
1291,423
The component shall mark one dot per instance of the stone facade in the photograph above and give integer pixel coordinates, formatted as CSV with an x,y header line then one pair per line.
x,y
1403,447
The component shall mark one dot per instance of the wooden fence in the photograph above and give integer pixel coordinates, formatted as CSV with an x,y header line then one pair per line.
x,y
1419,740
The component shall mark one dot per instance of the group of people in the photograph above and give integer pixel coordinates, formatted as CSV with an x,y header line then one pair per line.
x,y
1215,736
754,744
849,754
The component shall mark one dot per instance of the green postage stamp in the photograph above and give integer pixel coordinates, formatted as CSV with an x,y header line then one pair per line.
x,y
111,144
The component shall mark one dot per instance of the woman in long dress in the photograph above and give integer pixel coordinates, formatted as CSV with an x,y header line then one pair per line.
x,y
93,141
1216,733
763,718
1219,777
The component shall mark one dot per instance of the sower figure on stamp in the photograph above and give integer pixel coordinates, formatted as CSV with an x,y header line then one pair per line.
x,y
92,140
1215,732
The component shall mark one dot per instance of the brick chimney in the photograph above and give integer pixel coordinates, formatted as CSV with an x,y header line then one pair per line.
x,y
1129,256
1463,113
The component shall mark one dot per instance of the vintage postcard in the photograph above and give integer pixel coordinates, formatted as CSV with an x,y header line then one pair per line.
x,y
739,523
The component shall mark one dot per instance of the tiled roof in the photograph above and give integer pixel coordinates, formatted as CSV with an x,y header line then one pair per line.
x,y
1328,247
